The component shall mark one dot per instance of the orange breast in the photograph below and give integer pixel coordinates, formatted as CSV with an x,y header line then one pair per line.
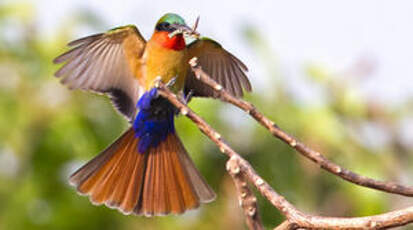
x,y
163,61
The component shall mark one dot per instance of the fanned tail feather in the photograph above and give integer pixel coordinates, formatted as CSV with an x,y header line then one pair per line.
x,y
160,181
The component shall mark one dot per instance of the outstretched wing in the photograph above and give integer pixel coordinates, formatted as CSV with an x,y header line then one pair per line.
x,y
220,65
106,63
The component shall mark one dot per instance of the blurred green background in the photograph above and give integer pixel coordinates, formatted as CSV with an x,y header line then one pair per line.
x,y
48,131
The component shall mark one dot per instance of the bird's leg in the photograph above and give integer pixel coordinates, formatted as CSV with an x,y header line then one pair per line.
x,y
171,82
183,98
187,97
157,81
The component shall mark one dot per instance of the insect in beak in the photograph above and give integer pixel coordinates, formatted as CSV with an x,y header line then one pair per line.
x,y
184,29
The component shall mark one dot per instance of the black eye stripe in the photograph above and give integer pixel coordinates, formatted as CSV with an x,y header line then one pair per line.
x,y
164,26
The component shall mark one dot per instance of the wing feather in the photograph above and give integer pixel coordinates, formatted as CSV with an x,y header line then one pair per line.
x,y
222,66
106,63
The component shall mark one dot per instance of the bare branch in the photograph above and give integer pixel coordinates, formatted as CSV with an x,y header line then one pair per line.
x,y
247,199
296,218
286,225
311,154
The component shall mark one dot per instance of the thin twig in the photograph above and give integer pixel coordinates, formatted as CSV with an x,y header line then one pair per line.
x,y
247,199
286,225
311,154
294,216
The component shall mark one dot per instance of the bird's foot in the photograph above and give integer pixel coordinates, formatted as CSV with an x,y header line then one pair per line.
x,y
157,82
186,97
171,82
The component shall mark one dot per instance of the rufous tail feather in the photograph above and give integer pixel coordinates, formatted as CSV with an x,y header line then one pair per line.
x,y
160,181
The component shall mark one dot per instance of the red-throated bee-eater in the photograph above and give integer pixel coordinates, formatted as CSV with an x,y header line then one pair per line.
x,y
147,170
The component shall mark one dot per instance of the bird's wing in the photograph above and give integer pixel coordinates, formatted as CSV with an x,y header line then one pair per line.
x,y
220,65
106,63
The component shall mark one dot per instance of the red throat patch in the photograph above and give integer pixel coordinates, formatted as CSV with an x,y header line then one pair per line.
x,y
176,42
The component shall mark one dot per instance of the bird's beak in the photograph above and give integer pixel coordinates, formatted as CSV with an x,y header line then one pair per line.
x,y
184,29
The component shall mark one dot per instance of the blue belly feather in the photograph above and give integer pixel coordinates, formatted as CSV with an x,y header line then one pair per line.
x,y
154,121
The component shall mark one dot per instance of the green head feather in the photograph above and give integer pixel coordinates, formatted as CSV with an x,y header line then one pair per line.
x,y
172,18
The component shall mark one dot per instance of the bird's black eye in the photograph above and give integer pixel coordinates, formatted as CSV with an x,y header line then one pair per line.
x,y
164,26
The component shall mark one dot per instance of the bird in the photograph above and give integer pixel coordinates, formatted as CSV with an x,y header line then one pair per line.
x,y
147,170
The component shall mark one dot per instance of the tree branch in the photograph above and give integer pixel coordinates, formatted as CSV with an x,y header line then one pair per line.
x,y
286,225
311,154
296,218
247,199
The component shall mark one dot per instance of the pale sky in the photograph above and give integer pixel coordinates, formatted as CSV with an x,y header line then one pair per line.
x,y
333,33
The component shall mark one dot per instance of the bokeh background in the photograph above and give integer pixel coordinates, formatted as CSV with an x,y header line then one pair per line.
x,y
337,75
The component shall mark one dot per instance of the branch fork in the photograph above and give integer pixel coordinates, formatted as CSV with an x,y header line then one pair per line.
x,y
244,175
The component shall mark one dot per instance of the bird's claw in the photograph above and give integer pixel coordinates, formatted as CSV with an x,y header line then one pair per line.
x,y
157,81
171,82
187,97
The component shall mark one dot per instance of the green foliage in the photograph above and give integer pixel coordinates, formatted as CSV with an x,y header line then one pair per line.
x,y
47,131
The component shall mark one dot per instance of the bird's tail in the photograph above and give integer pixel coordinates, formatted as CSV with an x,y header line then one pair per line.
x,y
160,181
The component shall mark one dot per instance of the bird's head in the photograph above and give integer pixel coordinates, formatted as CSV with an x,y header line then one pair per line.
x,y
170,30
174,25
